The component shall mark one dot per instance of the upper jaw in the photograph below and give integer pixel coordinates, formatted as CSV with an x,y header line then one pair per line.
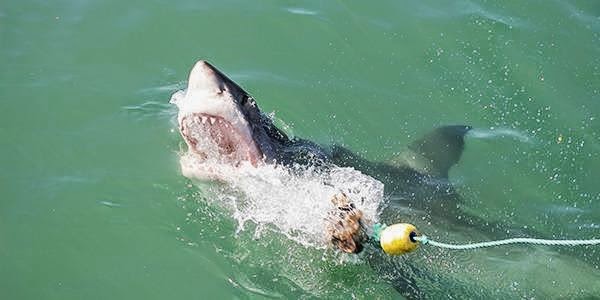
x,y
210,92
213,106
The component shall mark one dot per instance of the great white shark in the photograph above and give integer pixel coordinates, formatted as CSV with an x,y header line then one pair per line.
x,y
221,123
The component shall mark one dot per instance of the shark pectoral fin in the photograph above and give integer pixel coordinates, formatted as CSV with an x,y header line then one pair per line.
x,y
436,152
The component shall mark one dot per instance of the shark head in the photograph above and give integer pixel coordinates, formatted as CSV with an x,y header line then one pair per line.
x,y
220,122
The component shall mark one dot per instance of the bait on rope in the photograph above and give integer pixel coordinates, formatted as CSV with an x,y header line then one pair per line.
x,y
398,239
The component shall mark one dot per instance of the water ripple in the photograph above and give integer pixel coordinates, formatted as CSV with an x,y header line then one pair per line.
x,y
494,133
152,109
301,11
467,9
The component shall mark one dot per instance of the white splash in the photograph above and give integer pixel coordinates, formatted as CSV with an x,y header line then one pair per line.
x,y
292,201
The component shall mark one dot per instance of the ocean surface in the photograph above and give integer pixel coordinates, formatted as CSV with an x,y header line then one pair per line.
x,y
93,204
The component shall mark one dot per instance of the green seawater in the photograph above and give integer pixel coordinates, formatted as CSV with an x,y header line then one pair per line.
x,y
93,204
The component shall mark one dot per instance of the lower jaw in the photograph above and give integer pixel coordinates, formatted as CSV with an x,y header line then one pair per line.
x,y
232,159
205,169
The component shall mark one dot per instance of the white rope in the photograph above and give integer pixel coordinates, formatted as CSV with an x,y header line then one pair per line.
x,y
425,240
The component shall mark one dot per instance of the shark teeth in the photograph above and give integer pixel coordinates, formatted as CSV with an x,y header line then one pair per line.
x,y
206,119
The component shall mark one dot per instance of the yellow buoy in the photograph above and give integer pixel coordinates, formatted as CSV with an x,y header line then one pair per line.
x,y
397,239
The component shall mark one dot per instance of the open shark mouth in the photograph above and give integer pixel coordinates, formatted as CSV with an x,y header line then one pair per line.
x,y
214,138
223,126
220,123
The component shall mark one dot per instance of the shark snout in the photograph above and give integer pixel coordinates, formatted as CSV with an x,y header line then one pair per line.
x,y
205,78
209,92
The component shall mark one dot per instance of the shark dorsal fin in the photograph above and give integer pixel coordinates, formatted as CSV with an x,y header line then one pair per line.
x,y
436,152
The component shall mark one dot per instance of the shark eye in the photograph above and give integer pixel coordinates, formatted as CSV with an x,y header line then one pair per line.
x,y
244,100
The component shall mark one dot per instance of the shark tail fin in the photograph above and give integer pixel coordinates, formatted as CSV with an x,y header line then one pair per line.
x,y
436,152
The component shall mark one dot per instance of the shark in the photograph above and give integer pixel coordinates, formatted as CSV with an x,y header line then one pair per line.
x,y
223,127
